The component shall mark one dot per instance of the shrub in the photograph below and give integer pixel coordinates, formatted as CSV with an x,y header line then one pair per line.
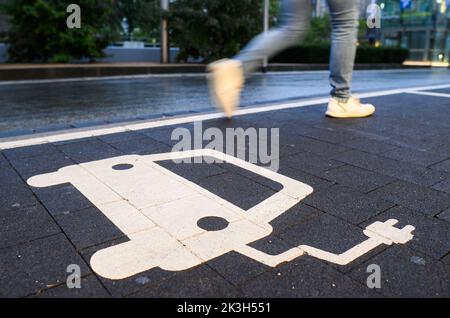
x,y
320,54
369,54
38,30
213,29
143,18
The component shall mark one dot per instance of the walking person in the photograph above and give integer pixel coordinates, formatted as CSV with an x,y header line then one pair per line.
x,y
228,75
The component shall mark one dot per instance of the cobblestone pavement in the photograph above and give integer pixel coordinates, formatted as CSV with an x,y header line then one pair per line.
x,y
395,165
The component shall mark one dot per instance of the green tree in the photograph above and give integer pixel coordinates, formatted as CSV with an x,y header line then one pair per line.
x,y
38,30
212,29
320,31
143,17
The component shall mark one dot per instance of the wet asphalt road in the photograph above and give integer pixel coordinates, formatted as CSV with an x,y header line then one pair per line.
x,y
28,108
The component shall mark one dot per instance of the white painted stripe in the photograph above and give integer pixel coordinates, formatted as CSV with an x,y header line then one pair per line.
x,y
71,134
429,94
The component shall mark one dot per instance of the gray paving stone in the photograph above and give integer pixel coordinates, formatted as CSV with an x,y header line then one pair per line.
x,y
253,121
9,177
309,163
357,178
284,118
26,224
363,160
325,232
313,181
274,186
250,175
304,277
369,145
409,128
343,124
418,157
13,197
249,201
193,171
330,234
308,114
29,167
406,273
30,151
236,189
130,285
164,135
412,173
443,186
87,227
445,148
120,137
347,204
237,268
415,197
400,170
415,141
90,288
199,282
431,236
446,259
335,136
3,161
297,214
442,166
90,150
299,143
445,215
62,198
142,146
37,265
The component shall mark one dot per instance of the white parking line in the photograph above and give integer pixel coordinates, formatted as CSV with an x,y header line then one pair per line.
x,y
429,94
72,134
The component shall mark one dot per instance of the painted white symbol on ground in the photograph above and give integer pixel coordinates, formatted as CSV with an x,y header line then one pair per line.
x,y
161,213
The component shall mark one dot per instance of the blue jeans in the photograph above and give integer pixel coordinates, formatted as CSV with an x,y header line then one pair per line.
x,y
295,21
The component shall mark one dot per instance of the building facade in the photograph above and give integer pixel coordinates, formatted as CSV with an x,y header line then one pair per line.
x,y
422,26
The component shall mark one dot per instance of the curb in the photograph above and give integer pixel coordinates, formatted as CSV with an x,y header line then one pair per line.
x,y
11,72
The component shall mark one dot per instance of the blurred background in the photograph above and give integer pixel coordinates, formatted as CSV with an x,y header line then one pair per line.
x,y
140,59
202,30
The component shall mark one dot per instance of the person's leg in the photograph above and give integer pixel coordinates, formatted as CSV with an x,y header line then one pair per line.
x,y
228,76
295,21
344,21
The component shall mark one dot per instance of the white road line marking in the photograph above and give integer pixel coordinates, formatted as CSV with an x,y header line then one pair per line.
x,y
429,94
71,134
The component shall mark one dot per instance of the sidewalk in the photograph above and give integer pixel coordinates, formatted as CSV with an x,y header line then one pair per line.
x,y
395,165
16,72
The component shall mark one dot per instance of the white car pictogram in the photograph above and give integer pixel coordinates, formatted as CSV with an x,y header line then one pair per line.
x,y
163,215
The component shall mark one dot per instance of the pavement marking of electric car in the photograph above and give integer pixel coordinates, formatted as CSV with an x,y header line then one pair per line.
x,y
165,216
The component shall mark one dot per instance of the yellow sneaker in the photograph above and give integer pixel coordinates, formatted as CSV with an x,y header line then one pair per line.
x,y
351,109
226,81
